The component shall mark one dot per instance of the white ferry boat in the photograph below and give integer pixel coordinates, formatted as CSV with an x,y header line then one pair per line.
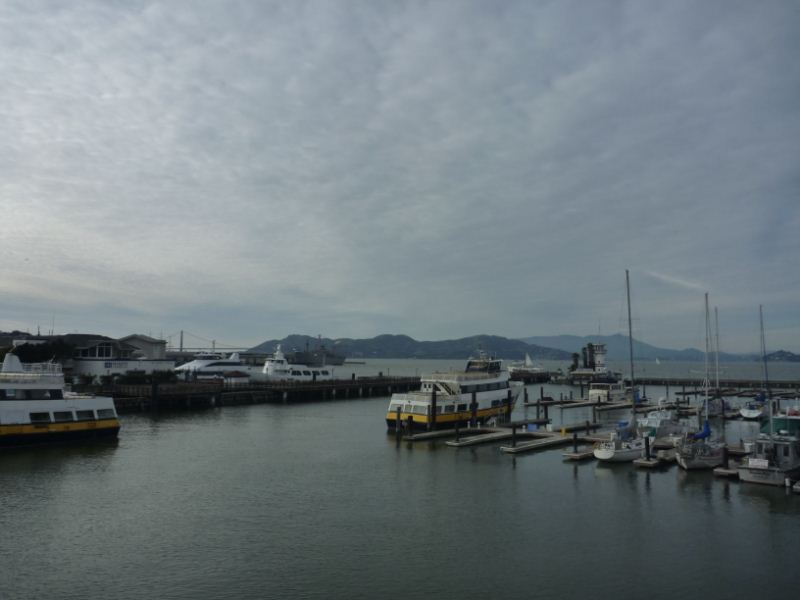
x,y
34,408
445,399
277,368
216,366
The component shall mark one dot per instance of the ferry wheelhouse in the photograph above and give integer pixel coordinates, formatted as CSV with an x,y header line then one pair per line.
x,y
445,399
34,407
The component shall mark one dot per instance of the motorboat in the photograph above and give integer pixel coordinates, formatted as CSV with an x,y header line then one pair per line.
x,y
482,391
36,408
279,368
215,366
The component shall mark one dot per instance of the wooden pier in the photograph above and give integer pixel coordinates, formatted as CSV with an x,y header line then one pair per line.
x,y
185,395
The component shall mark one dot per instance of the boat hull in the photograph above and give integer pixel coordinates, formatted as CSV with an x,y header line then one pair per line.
x,y
769,476
25,435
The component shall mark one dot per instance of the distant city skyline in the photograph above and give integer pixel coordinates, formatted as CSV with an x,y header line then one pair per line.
x,y
252,170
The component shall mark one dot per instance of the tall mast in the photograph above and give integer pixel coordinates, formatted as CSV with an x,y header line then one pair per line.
x,y
705,381
630,343
716,350
766,374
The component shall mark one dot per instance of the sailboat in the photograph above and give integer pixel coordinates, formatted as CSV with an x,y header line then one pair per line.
x,y
625,444
776,456
696,451
527,371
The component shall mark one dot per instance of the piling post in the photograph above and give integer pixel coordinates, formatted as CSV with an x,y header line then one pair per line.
x,y
154,395
525,391
541,392
508,406
473,407
457,430
538,407
410,425
432,416
647,447
398,423
545,413
575,442
588,428
581,389
725,457
513,436
570,394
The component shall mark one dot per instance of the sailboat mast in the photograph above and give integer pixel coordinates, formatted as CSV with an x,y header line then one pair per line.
x,y
716,350
705,381
630,342
766,374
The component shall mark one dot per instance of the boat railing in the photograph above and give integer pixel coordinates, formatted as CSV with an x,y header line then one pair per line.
x,y
32,371
417,396
459,376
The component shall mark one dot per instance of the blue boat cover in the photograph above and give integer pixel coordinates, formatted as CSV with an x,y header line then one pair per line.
x,y
704,433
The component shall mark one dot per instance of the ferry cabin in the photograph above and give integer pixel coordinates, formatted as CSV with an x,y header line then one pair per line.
x,y
481,392
34,407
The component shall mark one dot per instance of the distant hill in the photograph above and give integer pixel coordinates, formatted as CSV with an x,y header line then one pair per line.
x,y
617,347
783,356
402,346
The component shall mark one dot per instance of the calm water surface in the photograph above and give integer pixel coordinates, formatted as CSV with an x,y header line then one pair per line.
x,y
316,501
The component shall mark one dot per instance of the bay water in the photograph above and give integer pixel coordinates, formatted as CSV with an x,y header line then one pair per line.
x,y
315,500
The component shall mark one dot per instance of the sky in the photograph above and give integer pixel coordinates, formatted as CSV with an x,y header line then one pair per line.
x,y
245,170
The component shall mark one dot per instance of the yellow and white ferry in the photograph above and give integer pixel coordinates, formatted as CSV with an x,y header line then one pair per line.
x,y
445,399
34,407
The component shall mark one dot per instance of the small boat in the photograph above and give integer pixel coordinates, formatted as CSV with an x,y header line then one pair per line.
x,y
662,424
482,391
527,371
607,392
278,368
215,366
697,450
752,410
775,459
625,444
35,408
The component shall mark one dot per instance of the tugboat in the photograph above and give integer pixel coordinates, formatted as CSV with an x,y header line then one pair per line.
x,y
445,400
34,408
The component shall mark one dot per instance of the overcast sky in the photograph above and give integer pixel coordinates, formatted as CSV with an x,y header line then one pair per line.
x,y
246,170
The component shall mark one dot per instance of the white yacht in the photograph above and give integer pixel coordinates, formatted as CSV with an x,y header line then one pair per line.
x,y
211,365
446,399
277,368
34,407
607,392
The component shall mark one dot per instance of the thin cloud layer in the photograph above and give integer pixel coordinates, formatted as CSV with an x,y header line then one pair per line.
x,y
246,170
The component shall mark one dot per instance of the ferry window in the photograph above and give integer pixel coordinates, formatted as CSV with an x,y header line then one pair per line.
x,y
11,393
407,408
306,372
324,372
61,416
449,409
438,410
37,394
2,394
462,407
786,450
85,415
40,417
315,372
296,373
56,394
495,402
106,413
